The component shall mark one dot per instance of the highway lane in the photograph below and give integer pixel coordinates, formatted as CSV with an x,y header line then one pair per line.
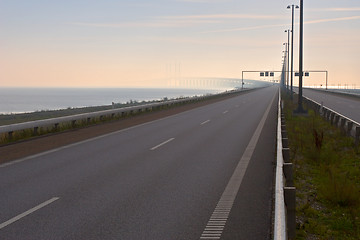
x,y
160,180
345,105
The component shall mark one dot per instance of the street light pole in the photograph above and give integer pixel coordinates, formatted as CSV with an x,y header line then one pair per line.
x,y
285,61
283,73
283,80
292,46
283,76
288,54
301,72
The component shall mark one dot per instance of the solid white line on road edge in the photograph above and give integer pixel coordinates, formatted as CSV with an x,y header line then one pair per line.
x,y
205,122
161,144
225,112
228,197
18,217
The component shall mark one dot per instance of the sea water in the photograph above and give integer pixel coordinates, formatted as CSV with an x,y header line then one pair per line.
x,y
21,100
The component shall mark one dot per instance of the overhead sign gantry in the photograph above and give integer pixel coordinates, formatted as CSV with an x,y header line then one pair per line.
x,y
271,74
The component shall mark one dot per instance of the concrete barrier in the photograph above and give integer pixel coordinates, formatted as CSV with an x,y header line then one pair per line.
x,y
284,220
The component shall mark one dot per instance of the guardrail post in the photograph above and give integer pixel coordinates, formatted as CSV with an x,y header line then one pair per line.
x,y
317,107
323,112
321,108
332,115
328,112
288,172
36,131
56,125
10,135
357,135
290,197
286,155
285,142
349,126
282,118
73,123
342,124
336,121
284,134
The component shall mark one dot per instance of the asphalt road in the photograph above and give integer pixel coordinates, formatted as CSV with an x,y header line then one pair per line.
x,y
159,180
345,105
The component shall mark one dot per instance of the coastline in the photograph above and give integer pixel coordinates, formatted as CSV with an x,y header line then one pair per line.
x,y
29,100
6,119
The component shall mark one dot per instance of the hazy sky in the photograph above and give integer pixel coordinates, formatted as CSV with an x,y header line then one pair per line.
x,y
115,43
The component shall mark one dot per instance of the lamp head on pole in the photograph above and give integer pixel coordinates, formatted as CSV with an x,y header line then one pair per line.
x,y
296,6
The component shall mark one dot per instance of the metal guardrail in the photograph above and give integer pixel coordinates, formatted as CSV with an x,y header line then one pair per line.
x,y
55,122
87,116
284,219
337,91
279,221
348,93
349,126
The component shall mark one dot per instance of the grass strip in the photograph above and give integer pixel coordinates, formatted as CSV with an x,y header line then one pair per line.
x,y
326,176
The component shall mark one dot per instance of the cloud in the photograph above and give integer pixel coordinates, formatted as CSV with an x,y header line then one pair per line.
x,y
284,25
203,40
333,20
147,24
353,9
178,21
246,28
225,16
203,1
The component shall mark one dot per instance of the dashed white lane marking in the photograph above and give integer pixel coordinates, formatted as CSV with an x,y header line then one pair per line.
x,y
85,141
18,217
205,122
161,144
219,217
225,112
